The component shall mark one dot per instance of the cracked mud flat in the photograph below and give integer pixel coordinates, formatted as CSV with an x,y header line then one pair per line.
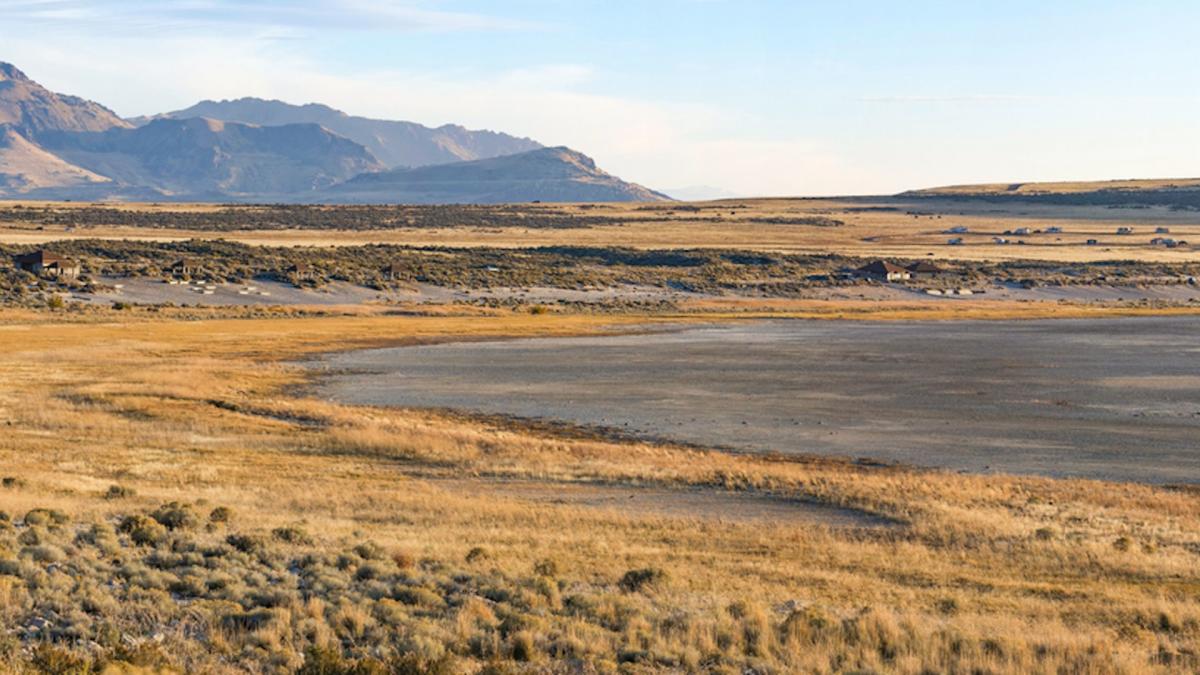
x,y
1115,399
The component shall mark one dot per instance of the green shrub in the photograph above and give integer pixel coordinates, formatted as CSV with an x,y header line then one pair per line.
x,y
221,514
143,530
119,492
292,535
176,516
246,543
523,646
50,517
369,550
638,580
418,596
46,553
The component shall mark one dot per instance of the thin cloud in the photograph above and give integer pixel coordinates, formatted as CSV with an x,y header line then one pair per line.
x,y
195,16
953,98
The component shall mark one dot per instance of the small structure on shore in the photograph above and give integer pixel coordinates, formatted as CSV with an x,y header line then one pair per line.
x,y
301,272
392,271
884,270
185,267
1167,242
48,265
924,270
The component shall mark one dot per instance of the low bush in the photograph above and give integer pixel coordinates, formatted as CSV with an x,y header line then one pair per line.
x,y
636,581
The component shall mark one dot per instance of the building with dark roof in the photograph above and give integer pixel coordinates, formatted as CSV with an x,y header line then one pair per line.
x,y
884,270
46,264
924,268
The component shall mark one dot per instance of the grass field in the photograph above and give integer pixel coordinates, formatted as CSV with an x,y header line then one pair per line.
x,y
875,227
174,501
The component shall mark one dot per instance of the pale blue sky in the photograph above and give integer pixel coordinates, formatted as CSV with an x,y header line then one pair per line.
x,y
751,96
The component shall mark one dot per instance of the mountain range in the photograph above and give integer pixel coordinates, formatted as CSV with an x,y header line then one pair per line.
x,y
396,144
55,146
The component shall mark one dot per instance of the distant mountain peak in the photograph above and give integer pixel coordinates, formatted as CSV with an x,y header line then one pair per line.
x,y
557,174
57,146
396,143
34,110
564,154
10,72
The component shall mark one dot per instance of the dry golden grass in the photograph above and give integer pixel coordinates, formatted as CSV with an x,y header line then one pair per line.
x,y
980,574
739,224
1066,187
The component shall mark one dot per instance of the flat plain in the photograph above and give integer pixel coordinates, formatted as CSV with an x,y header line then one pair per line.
x,y
177,497
895,226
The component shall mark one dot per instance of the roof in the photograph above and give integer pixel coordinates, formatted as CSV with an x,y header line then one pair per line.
x,y
882,267
40,257
925,267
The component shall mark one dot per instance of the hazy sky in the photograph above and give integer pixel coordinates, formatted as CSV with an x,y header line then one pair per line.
x,y
751,96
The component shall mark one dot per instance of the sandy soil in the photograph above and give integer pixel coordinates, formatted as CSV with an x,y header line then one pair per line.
x,y
690,503
1027,397
157,291
265,292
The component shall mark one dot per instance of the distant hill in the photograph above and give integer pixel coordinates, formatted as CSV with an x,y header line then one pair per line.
x,y
396,144
32,110
202,157
1170,192
547,174
25,167
54,146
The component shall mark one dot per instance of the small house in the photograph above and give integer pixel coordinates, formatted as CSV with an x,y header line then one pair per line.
x,y
999,240
1092,242
1053,230
924,270
954,241
301,272
46,264
1021,230
393,271
185,267
886,271
1124,230
1162,230
958,229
